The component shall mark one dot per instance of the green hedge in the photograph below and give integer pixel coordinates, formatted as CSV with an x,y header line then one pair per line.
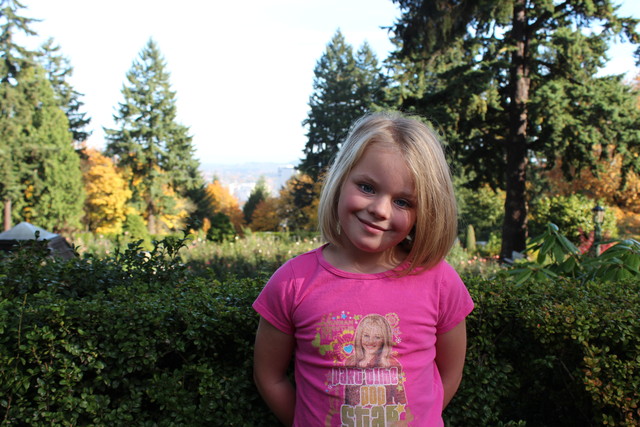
x,y
553,353
138,340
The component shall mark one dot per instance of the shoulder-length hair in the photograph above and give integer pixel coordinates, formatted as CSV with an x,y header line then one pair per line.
x,y
435,229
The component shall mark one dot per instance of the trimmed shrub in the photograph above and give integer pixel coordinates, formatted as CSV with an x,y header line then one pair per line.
x,y
551,353
138,340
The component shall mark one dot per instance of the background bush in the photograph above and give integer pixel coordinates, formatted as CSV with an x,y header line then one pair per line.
x,y
139,339
572,214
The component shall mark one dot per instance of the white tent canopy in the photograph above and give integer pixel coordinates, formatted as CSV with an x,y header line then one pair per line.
x,y
57,244
26,231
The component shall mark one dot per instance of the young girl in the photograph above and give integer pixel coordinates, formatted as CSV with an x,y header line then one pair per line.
x,y
388,213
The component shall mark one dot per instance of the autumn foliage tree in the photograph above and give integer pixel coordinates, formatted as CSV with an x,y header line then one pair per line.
x,y
105,207
265,216
224,202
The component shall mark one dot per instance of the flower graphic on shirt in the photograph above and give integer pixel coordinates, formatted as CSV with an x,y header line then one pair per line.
x,y
342,346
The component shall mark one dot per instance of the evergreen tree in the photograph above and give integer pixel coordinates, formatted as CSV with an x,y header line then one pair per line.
x,y
259,193
513,82
14,59
149,144
345,86
41,180
59,70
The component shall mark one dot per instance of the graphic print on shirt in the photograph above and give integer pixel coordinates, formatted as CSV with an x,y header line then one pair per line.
x,y
366,381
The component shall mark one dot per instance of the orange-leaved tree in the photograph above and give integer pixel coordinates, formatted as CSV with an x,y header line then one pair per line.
x,y
265,216
224,202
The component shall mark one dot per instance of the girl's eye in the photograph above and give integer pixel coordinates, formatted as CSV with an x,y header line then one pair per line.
x,y
366,188
402,203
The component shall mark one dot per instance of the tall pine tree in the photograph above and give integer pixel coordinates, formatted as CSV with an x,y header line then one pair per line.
x,y
40,180
59,70
514,82
154,149
345,86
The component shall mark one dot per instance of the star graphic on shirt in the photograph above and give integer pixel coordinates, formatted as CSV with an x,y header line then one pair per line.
x,y
400,409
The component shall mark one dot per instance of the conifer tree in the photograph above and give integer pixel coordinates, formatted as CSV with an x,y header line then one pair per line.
x,y
148,143
514,82
259,193
40,180
58,70
345,86
13,60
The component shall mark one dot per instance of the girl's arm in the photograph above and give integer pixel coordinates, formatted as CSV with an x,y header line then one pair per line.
x,y
271,357
451,349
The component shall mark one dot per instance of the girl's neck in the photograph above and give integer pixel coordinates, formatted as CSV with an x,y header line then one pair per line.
x,y
366,263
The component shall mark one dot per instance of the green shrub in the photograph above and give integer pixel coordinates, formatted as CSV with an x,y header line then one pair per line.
x,y
551,353
137,339
483,207
572,214
221,228
471,239
134,340
552,255
134,228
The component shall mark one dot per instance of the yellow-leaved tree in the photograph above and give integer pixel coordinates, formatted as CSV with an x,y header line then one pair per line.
x,y
224,202
105,207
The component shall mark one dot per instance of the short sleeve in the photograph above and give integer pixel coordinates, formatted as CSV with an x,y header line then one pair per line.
x,y
275,302
455,303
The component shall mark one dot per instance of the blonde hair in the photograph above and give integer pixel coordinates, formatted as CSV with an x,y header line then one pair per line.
x,y
435,229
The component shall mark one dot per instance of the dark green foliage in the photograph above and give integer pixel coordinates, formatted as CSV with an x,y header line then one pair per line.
x,y
58,70
511,83
259,193
155,151
221,228
555,257
40,170
137,339
131,341
552,353
345,86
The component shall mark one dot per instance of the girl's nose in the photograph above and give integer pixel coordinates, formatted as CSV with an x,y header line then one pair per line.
x,y
380,207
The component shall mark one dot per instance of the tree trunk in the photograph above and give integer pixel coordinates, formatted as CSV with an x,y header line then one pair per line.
x,y
7,214
514,231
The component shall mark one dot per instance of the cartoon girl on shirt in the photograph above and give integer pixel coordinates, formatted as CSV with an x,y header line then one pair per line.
x,y
373,345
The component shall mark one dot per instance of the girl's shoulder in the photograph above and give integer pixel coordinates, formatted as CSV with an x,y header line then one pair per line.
x,y
441,271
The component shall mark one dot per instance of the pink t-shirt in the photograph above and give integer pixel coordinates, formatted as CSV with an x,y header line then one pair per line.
x,y
365,343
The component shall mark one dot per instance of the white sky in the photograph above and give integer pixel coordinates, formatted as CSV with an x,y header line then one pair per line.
x,y
242,71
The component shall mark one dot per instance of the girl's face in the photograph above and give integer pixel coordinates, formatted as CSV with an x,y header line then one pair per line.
x,y
372,339
377,207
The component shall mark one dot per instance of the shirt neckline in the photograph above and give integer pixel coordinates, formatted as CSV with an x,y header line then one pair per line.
x,y
362,276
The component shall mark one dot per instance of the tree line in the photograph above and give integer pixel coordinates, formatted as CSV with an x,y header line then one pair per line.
x,y
512,86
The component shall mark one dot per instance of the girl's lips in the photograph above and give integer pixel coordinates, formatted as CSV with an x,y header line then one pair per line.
x,y
370,225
